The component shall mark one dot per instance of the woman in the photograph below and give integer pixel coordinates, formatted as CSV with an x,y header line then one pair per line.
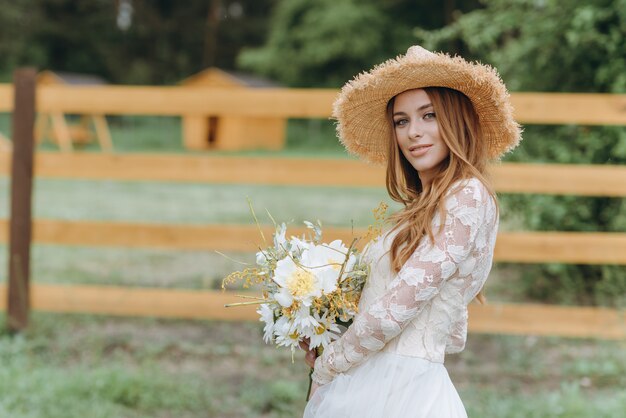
x,y
436,121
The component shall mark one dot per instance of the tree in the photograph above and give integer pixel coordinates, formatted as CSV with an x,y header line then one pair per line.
x,y
319,43
165,42
326,42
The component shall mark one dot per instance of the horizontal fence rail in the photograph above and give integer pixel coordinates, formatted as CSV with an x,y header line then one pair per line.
x,y
567,179
533,108
527,319
512,247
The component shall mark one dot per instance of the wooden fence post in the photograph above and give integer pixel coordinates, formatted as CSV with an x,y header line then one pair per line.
x,y
21,194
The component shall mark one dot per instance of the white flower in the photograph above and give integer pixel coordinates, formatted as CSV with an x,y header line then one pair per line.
x,y
298,245
331,256
286,334
322,334
267,316
261,259
280,242
303,282
304,319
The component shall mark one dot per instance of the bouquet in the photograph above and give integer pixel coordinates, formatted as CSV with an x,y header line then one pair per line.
x,y
308,287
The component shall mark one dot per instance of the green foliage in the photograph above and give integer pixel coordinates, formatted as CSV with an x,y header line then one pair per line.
x,y
166,41
557,46
545,45
319,43
326,42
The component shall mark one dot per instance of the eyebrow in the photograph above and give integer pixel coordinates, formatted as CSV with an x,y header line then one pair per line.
x,y
427,105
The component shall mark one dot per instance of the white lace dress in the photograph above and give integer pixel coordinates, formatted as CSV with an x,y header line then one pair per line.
x,y
389,363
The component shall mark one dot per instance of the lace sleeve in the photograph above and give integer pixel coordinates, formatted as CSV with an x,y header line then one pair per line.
x,y
418,281
458,334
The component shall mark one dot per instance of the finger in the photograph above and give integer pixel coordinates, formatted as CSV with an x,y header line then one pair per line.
x,y
310,358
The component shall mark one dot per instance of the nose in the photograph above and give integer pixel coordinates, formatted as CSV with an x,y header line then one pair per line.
x,y
415,131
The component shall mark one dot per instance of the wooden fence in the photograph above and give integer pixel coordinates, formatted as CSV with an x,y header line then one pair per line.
x,y
530,108
523,246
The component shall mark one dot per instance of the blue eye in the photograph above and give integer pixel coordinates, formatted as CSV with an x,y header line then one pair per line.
x,y
429,115
400,122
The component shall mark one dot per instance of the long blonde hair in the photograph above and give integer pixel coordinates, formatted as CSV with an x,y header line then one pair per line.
x,y
459,128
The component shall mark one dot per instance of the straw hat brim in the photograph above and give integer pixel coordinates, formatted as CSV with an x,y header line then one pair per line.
x,y
360,109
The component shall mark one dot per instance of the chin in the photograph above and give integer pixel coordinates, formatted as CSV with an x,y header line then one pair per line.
x,y
421,166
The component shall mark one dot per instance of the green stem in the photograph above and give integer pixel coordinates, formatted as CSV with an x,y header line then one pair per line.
x,y
308,391
256,302
318,351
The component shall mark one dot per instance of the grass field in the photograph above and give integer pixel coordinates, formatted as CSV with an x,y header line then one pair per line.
x,y
78,366
88,366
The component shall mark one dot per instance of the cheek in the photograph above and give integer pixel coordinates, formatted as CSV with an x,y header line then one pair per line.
x,y
398,133
445,149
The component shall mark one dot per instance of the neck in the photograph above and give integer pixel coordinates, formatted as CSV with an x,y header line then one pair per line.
x,y
426,177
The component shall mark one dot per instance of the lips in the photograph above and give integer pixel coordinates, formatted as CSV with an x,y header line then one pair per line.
x,y
419,150
419,147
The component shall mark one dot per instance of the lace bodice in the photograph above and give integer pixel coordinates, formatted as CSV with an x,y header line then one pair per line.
x,y
422,310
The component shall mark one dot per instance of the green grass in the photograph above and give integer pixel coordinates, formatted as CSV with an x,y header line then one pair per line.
x,y
570,400
79,365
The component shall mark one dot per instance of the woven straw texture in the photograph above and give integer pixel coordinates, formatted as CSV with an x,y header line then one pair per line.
x,y
360,109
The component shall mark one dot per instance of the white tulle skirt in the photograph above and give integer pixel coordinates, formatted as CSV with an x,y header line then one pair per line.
x,y
388,385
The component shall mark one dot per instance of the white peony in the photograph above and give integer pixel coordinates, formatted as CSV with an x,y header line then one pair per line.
x,y
298,245
305,280
332,256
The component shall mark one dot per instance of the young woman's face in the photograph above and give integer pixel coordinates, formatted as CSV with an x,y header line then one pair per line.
x,y
417,133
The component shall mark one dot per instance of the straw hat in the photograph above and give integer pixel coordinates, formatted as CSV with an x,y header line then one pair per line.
x,y
360,108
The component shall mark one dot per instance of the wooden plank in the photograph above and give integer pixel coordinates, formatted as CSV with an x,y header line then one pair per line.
x,y
563,179
21,199
143,302
174,237
563,321
61,132
5,143
513,247
102,132
530,108
517,319
253,170
6,97
182,100
562,247
570,108
569,179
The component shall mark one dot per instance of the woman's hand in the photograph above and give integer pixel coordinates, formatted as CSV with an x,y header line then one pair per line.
x,y
311,354
309,359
